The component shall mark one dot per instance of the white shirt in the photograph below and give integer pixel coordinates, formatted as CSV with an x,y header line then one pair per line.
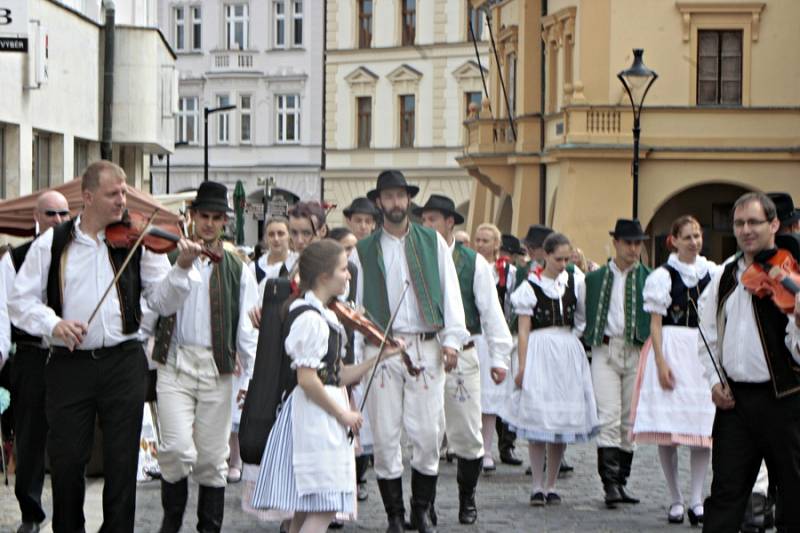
x,y
409,319
6,286
742,355
271,271
657,293
87,274
615,325
524,298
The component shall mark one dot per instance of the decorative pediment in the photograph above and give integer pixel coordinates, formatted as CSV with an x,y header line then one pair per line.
x,y
361,76
469,70
404,73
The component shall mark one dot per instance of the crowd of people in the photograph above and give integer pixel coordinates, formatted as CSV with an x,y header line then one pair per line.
x,y
398,337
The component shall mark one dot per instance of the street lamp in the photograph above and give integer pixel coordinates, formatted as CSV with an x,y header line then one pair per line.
x,y
208,111
177,143
637,81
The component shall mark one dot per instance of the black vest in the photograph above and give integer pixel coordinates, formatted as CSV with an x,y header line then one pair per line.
x,y
129,286
547,312
19,336
260,274
680,312
771,322
330,373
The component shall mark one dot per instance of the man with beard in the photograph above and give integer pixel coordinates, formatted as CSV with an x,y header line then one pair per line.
x,y
410,266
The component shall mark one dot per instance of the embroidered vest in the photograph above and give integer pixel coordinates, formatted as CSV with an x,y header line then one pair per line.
x,y
548,311
421,254
464,259
681,312
17,258
598,298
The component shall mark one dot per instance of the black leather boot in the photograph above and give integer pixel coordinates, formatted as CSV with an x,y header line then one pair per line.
x,y
608,468
625,460
392,496
469,470
423,492
173,501
362,463
210,509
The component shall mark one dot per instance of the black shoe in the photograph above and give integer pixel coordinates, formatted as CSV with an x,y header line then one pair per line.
x,y
537,499
553,499
392,495
694,517
361,492
508,457
608,468
336,525
565,468
210,509
676,512
28,527
528,471
423,492
397,524
469,470
625,460
173,501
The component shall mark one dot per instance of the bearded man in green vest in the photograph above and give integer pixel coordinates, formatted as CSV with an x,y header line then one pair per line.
x,y
199,350
407,268
484,318
616,328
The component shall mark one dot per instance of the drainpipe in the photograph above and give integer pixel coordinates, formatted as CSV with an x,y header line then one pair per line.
x,y
108,80
542,166
324,96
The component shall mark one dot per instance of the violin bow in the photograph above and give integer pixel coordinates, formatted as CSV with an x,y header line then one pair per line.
x,y
124,265
717,368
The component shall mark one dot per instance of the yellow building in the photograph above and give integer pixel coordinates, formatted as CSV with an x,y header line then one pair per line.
x,y
722,118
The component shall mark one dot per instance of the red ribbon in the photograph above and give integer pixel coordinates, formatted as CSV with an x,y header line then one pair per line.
x,y
500,265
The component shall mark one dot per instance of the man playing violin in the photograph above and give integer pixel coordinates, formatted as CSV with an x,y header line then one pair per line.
x,y
97,368
757,346
197,349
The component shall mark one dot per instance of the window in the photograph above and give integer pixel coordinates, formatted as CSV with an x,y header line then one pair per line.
x,y
188,119
364,23
197,26
288,118
472,97
41,160
223,120
409,21
297,22
245,119
180,28
280,23
719,67
80,156
236,26
364,105
407,120
475,18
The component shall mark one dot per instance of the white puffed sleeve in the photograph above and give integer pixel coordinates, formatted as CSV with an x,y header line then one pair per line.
x,y
523,300
657,292
307,342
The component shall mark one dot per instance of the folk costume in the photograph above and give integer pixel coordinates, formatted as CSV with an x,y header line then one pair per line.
x,y
261,269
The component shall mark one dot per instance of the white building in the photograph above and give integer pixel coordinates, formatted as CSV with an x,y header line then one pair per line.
x,y
264,57
51,111
399,78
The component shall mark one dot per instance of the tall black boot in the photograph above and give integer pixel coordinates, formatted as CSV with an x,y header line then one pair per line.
x,y
423,492
625,460
469,470
362,463
392,496
210,509
173,501
608,468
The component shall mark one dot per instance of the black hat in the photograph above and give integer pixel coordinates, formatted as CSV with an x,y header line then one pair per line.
x,y
212,196
392,179
784,205
361,205
628,230
437,202
536,235
511,245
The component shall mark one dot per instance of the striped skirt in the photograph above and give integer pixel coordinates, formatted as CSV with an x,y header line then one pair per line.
x,y
275,487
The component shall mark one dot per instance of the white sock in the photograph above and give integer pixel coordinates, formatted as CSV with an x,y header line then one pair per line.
x,y
555,452
669,464
487,430
536,451
699,458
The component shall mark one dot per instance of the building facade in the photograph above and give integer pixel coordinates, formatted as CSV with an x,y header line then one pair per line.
x,y
265,58
722,118
399,77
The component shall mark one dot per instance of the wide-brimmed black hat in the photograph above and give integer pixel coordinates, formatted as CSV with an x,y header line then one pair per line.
x,y
536,235
392,179
511,244
440,203
361,205
212,196
784,205
628,230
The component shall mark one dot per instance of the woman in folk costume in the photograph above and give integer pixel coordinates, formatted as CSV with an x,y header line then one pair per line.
x,y
279,259
308,466
553,403
671,401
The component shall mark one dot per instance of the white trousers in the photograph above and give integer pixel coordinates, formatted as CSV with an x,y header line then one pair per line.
x,y
462,407
614,368
398,401
195,420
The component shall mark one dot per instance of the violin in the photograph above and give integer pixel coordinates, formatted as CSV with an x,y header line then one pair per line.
x,y
159,238
774,274
355,320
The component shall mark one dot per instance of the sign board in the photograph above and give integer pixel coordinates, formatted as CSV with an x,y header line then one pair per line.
x,y
278,207
13,25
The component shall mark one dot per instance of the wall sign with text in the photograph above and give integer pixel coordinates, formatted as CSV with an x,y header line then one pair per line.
x,y
13,25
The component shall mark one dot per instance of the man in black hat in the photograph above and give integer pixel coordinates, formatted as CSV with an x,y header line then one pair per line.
x,y
408,269
788,216
198,350
362,217
616,328
484,319
96,369
533,241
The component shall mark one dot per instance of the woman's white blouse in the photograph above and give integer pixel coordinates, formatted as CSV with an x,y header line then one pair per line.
x,y
523,299
307,342
657,292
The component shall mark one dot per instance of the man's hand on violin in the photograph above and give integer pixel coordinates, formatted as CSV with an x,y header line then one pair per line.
x,y
188,252
498,374
71,332
450,358
722,397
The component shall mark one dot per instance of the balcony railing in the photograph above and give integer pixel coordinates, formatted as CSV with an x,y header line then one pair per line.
x,y
232,60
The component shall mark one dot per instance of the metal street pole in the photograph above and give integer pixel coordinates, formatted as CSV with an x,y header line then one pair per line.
x,y
206,112
636,132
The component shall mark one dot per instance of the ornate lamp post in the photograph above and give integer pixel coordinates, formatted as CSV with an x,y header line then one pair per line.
x,y
207,111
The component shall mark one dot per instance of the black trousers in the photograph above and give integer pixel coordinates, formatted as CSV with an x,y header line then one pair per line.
x,y
505,437
108,384
30,427
759,426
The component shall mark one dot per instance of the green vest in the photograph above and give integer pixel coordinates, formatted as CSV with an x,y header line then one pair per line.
x,y
598,298
421,252
464,258
224,285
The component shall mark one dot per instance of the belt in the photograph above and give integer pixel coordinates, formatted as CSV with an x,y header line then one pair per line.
x,y
426,336
470,344
749,384
96,353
